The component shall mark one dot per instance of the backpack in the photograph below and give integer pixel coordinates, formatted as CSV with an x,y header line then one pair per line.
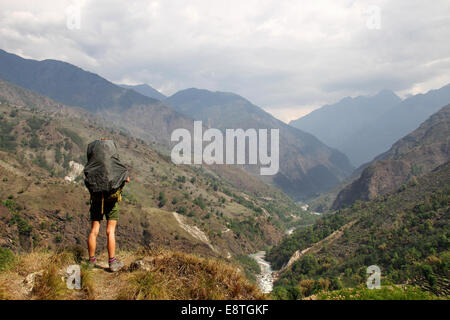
x,y
104,174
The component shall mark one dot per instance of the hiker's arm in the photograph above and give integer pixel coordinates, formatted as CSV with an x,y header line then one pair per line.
x,y
127,179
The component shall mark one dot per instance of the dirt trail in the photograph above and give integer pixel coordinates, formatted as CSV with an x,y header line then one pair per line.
x,y
316,246
106,283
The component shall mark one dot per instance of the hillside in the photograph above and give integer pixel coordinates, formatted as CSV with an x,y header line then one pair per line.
x,y
151,274
132,112
406,233
188,208
145,90
338,124
307,166
416,154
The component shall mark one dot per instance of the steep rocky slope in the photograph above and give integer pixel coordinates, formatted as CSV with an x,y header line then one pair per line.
x,y
416,154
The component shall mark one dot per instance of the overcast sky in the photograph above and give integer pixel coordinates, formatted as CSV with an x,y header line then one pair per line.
x,y
288,57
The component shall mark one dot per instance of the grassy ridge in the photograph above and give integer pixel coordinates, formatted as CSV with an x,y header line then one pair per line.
x,y
167,275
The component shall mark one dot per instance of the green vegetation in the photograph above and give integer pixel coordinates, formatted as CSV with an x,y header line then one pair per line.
x,y
23,226
73,136
199,202
35,123
162,199
6,259
7,141
58,154
13,113
34,142
129,197
406,234
41,162
251,267
385,293
249,227
304,238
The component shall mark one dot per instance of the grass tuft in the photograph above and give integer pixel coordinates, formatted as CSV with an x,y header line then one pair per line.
x,y
176,275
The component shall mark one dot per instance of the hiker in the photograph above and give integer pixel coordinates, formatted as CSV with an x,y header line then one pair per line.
x,y
105,176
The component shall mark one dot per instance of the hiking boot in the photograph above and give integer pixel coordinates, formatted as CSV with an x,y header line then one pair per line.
x,y
115,265
91,263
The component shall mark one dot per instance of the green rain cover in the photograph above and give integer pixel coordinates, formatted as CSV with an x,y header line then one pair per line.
x,y
104,172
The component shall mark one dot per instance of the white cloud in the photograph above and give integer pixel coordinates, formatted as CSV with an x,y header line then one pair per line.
x,y
286,56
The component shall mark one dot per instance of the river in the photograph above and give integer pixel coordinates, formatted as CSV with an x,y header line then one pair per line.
x,y
265,278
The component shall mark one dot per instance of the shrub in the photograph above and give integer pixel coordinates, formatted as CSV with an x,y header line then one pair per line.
x,y
73,136
199,202
251,267
58,238
35,123
7,141
41,162
182,210
162,199
6,259
34,142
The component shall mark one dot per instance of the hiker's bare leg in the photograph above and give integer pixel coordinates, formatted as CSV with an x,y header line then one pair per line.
x,y
110,233
92,240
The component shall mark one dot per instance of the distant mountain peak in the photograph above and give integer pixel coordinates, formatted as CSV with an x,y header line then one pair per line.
x,y
209,92
145,90
207,98
387,93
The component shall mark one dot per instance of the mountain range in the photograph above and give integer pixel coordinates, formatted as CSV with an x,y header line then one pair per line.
x,y
414,155
307,168
133,112
364,127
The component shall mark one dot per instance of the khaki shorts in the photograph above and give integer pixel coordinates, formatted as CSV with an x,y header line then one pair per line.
x,y
110,210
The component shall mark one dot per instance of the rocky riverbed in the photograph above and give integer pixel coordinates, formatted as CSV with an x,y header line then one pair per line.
x,y
265,278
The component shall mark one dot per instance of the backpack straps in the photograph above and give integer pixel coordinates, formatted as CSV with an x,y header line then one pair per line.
x,y
102,203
